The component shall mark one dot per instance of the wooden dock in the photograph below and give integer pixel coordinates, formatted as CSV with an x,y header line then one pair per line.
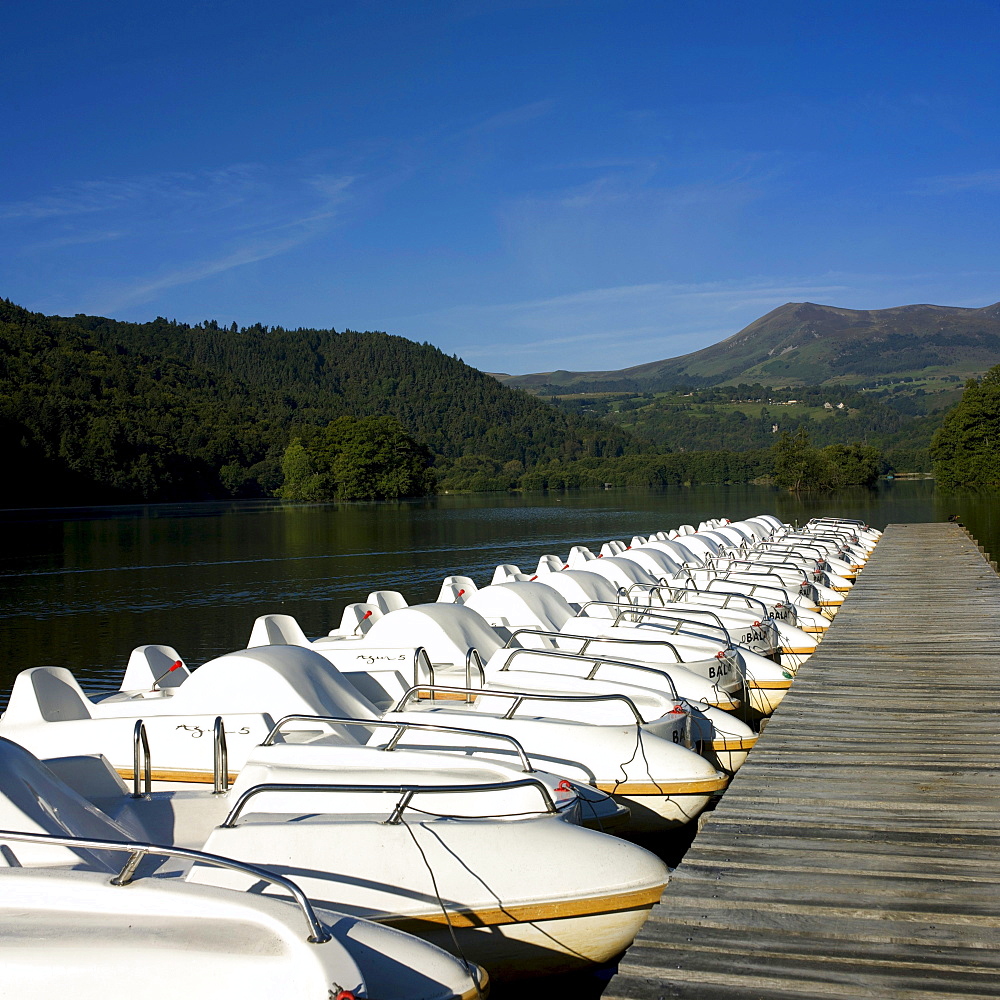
x,y
857,852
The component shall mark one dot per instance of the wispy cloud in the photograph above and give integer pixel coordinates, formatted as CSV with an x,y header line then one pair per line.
x,y
144,290
613,327
171,229
218,189
76,239
980,180
513,117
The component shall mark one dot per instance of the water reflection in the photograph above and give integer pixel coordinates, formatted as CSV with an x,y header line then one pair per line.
x,y
81,587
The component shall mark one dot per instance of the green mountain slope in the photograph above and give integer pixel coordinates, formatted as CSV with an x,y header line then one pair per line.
x,y
94,410
807,344
900,419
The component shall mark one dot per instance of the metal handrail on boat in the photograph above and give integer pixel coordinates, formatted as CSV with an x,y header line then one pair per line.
x,y
401,727
795,547
472,660
805,587
675,593
406,793
137,851
637,611
598,662
519,697
587,640
815,573
220,757
140,755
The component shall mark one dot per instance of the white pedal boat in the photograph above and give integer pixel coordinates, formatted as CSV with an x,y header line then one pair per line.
x,y
705,648
502,618
523,895
641,666
68,928
50,715
237,700
743,619
583,731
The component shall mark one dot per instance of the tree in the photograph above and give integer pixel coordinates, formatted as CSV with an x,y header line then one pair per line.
x,y
966,448
797,465
372,458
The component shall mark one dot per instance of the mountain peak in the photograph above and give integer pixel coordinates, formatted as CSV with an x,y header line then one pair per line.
x,y
807,343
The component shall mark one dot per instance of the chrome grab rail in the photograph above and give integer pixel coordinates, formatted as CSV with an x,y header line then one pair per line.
x,y
137,851
638,611
677,592
598,662
406,793
420,654
140,740
840,540
803,548
794,567
401,728
472,658
766,622
726,573
780,594
220,757
520,697
587,640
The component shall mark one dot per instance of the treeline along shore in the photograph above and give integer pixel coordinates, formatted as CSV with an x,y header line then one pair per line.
x,y
94,410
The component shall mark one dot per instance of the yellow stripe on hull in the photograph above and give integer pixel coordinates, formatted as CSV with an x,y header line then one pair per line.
x,y
638,899
704,786
726,706
746,743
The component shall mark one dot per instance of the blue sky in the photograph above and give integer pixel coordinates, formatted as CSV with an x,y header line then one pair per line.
x,y
582,184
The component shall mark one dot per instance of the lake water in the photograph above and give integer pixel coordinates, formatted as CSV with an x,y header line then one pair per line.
x,y
81,587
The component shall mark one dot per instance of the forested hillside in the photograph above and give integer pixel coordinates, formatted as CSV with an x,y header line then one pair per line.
x,y
94,410
900,418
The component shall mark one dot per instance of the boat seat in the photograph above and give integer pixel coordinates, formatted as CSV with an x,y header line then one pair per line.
x,y
90,775
456,589
46,694
516,577
505,571
579,556
387,600
277,630
154,666
357,619
550,564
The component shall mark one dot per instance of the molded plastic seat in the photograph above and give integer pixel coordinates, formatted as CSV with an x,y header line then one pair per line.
x,y
47,694
357,619
387,600
154,666
456,590
277,630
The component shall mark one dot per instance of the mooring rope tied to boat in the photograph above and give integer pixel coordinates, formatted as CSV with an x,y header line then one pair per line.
x,y
444,909
639,746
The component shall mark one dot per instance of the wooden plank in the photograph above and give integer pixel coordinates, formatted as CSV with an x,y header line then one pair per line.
x,y
857,852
